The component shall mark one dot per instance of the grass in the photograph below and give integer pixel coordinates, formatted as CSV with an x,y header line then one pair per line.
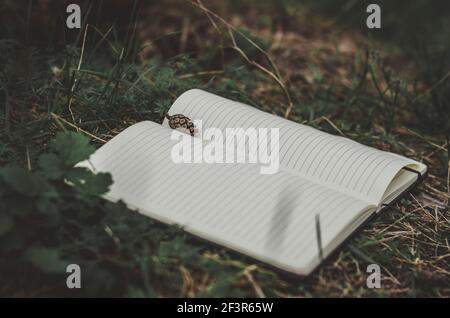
x,y
119,70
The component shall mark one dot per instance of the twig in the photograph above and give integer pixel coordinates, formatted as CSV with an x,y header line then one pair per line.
x,y
104,38
80,61
248,274
265,70
426,140
230,26
432,87
59,118
28,158
333,125
201,74
188,282
275,74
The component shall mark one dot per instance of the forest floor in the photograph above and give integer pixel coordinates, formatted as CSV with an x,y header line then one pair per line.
x,y
285,59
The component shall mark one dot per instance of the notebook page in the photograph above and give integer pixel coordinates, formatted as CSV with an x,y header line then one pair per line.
x,y
338,162
268,217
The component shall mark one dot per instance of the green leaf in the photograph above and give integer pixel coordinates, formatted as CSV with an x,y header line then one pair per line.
x,y
21,181
49,210
98,279
71,147
17,204
6,223
47,259
51,165
88,182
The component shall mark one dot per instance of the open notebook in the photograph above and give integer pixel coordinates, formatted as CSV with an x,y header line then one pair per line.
x,y
269,217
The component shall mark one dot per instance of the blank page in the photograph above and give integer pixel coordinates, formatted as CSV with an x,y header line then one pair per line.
x,y
337,162
268,217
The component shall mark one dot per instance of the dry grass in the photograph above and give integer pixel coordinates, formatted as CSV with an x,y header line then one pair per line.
x,y
305,71
410,242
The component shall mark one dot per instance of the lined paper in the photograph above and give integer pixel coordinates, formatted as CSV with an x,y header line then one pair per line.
x,y
268,217
334,161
